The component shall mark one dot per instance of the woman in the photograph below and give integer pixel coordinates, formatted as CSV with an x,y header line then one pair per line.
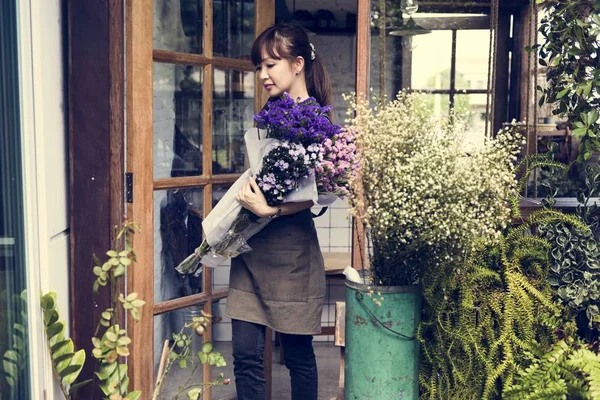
x,y
281,283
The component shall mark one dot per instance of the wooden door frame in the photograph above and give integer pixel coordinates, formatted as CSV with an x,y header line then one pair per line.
x,y
95,84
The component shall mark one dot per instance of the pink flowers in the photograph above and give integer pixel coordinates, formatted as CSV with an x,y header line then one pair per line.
x,y
338,165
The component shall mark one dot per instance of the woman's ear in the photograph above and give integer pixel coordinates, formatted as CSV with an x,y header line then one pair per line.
x,y
298,65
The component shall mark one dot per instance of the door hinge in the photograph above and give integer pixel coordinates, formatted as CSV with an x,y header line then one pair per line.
x,y
129,187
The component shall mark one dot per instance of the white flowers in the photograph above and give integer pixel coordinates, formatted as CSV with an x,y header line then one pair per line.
x,y
419,185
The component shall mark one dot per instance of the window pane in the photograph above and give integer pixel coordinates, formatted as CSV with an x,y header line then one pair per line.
x,y
431,60
178,218
179,378
233,24
439,104
14,376
233,109
177,120
472,59
473,106
178,25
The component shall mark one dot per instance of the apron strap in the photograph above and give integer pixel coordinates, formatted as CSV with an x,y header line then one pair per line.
x,y
320,212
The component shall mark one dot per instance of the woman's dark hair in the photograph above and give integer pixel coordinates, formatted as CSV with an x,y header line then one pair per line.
x,y
287,41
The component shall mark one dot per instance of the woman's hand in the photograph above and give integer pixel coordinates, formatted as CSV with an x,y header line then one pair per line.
x,y
253,199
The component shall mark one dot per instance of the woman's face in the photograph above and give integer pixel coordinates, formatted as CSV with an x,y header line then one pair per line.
x,y
278,76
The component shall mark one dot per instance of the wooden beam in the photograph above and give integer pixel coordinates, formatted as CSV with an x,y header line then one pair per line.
x,y
363,47
264,16
502,71
96,138
187,301
140,277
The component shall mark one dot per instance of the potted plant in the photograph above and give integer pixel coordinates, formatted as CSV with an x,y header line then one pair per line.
x,y
424,199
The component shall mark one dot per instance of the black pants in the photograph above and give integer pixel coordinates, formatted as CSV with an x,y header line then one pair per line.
x,y
248,351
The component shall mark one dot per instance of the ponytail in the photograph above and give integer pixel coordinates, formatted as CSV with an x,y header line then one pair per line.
x,y
318,82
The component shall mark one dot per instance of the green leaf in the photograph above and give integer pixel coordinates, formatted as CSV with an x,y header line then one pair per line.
x,y
119,271
194,394
112,253
132,296
74,369
592,117
48,301
183,363
138,303
207,347
111,336
562,93
54,329
203,357
106,371
133,395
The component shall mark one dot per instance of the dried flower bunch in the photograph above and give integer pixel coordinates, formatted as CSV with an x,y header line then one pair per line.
x,y
422,196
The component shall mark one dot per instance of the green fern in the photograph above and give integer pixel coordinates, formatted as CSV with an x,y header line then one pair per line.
x,y
567,370
481,319
66,362
533,162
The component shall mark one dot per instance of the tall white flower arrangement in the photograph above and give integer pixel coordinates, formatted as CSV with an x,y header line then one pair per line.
x,y
423,196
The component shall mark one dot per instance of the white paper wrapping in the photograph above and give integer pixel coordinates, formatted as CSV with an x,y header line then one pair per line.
x,y
220,219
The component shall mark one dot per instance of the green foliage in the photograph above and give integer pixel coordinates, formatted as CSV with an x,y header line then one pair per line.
x,y
570,51
567,370
110,341
575,253
14,360
480,320
66,362
180,353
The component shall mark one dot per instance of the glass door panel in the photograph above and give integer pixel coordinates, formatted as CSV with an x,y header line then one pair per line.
x,y
177,120
181,378
233,108
178,232
178,25
233,28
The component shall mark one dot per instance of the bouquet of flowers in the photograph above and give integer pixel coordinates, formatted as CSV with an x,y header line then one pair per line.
x,y
296,154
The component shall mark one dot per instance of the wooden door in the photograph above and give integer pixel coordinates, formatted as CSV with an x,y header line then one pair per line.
x,y
191,94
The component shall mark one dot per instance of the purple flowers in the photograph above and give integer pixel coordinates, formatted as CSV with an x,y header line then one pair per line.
x,y
283,167
305,122
309,143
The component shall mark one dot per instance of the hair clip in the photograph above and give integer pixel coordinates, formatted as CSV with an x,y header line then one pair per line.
x,y
313,52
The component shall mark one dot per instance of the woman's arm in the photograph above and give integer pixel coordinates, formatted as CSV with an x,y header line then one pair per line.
x,y
287,208
252,198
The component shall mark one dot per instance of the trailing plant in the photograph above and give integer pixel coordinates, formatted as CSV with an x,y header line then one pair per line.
x,y
180,352
575,253
422,197
568,370
15,355
570,50
66,362
110,340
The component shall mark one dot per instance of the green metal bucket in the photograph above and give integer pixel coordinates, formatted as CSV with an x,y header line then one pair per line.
x,y
382,352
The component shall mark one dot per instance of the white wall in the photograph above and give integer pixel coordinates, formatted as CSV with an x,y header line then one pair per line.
x,y
45,163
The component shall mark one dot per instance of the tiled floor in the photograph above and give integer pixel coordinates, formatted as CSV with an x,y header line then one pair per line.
x,y
328,361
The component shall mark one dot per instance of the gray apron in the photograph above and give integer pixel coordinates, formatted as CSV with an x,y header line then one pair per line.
x,y
281,282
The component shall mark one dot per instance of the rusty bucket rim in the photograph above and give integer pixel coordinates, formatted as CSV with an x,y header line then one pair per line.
x,y
416,288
